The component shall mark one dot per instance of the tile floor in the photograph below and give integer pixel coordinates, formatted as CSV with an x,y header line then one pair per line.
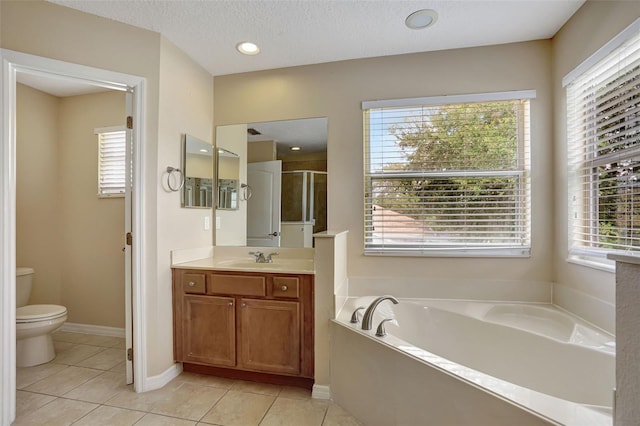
x,y
84,385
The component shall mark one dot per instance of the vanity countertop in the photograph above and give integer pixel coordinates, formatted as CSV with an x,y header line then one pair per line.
x,y
241,264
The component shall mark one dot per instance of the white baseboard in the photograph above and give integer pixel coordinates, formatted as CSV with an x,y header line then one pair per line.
x,y
321,392
99,330
156,382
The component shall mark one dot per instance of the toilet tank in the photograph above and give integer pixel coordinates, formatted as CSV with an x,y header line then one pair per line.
x,y
24,280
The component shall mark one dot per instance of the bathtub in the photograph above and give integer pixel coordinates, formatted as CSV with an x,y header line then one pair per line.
x,y
462,362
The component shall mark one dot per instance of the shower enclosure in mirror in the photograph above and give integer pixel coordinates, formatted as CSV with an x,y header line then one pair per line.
x,y
197,166
228,179
287,209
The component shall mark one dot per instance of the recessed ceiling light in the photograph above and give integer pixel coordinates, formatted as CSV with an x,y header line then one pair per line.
x,y
204,150
248,48
295,148
421,19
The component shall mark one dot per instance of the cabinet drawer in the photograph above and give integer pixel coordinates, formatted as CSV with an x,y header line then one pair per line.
x,y
286,287
193,283
242,285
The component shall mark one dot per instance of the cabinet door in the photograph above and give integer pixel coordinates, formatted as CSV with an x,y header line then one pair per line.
x,y
270,335
209,330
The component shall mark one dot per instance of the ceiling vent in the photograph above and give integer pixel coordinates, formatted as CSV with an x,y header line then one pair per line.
x,y
253,132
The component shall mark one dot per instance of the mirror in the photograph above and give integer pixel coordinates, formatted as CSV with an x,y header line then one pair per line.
x,y
197,166
299,205
228,167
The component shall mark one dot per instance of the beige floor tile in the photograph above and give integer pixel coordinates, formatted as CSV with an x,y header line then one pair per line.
x,y
110,416
188,401
29,375
286,411
239,409
76,354
206,380
27,402
156,420
99,389
120,368
337,416
59,346
142,401
120,344
62,382
104,360
255,387
104,341
65,336
56,413
295,393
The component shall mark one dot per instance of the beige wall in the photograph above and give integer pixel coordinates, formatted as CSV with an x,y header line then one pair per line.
x,y
92,228
586,291
179,99
261,151
336,90
38,203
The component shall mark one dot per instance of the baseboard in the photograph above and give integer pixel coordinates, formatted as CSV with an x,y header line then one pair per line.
x,y
321,392
99,330
156,382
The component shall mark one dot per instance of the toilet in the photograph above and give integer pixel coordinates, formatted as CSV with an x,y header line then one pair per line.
x,y
34,324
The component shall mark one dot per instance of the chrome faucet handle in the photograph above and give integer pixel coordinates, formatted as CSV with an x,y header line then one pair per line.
x,y
258,254
381,332
268,259
354,315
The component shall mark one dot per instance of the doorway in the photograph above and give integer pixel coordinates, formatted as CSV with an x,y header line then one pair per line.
x,y
13,64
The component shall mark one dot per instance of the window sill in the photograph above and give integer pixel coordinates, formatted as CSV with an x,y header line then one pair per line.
x,y
601,265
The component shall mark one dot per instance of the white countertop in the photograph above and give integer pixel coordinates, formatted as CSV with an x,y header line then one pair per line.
x,y
279,265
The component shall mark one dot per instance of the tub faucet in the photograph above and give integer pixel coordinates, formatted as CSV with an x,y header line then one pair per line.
x,y
367,319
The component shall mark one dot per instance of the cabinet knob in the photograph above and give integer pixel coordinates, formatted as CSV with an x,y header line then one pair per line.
x,y
284,288
191,284
230,304
243,305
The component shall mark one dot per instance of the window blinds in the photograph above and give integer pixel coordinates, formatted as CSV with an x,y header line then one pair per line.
x,y
111,163
449,178
603,132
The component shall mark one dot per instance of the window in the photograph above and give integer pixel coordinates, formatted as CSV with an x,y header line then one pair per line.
x,y
448,176
111,161
603,133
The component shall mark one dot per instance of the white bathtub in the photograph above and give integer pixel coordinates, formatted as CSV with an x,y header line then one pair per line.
x,y
551,366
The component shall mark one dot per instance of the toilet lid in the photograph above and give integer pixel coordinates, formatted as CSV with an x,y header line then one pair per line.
x,y
31,313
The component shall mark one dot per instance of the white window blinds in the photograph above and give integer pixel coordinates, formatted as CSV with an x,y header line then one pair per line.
x,y
111,162
603,132
449,176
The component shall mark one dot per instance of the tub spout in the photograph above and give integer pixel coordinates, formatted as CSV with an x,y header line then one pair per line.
x,y
367,319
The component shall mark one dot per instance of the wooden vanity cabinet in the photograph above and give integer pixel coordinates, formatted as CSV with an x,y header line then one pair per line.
x,y
260,323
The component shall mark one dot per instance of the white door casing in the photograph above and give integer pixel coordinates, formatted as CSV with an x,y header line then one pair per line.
x,y
13,62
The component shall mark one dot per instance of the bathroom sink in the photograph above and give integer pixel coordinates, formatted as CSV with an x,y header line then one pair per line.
x,y
277,265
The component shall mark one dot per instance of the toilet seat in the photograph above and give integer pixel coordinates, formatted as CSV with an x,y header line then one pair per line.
x,y
37,313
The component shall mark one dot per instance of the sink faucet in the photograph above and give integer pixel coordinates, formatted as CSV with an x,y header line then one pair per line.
x,y
367,319
260,257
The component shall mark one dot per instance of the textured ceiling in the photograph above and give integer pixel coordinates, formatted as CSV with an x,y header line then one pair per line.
x,y
300,32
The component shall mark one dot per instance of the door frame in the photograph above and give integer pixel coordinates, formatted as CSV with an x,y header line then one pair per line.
x,y
12,62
